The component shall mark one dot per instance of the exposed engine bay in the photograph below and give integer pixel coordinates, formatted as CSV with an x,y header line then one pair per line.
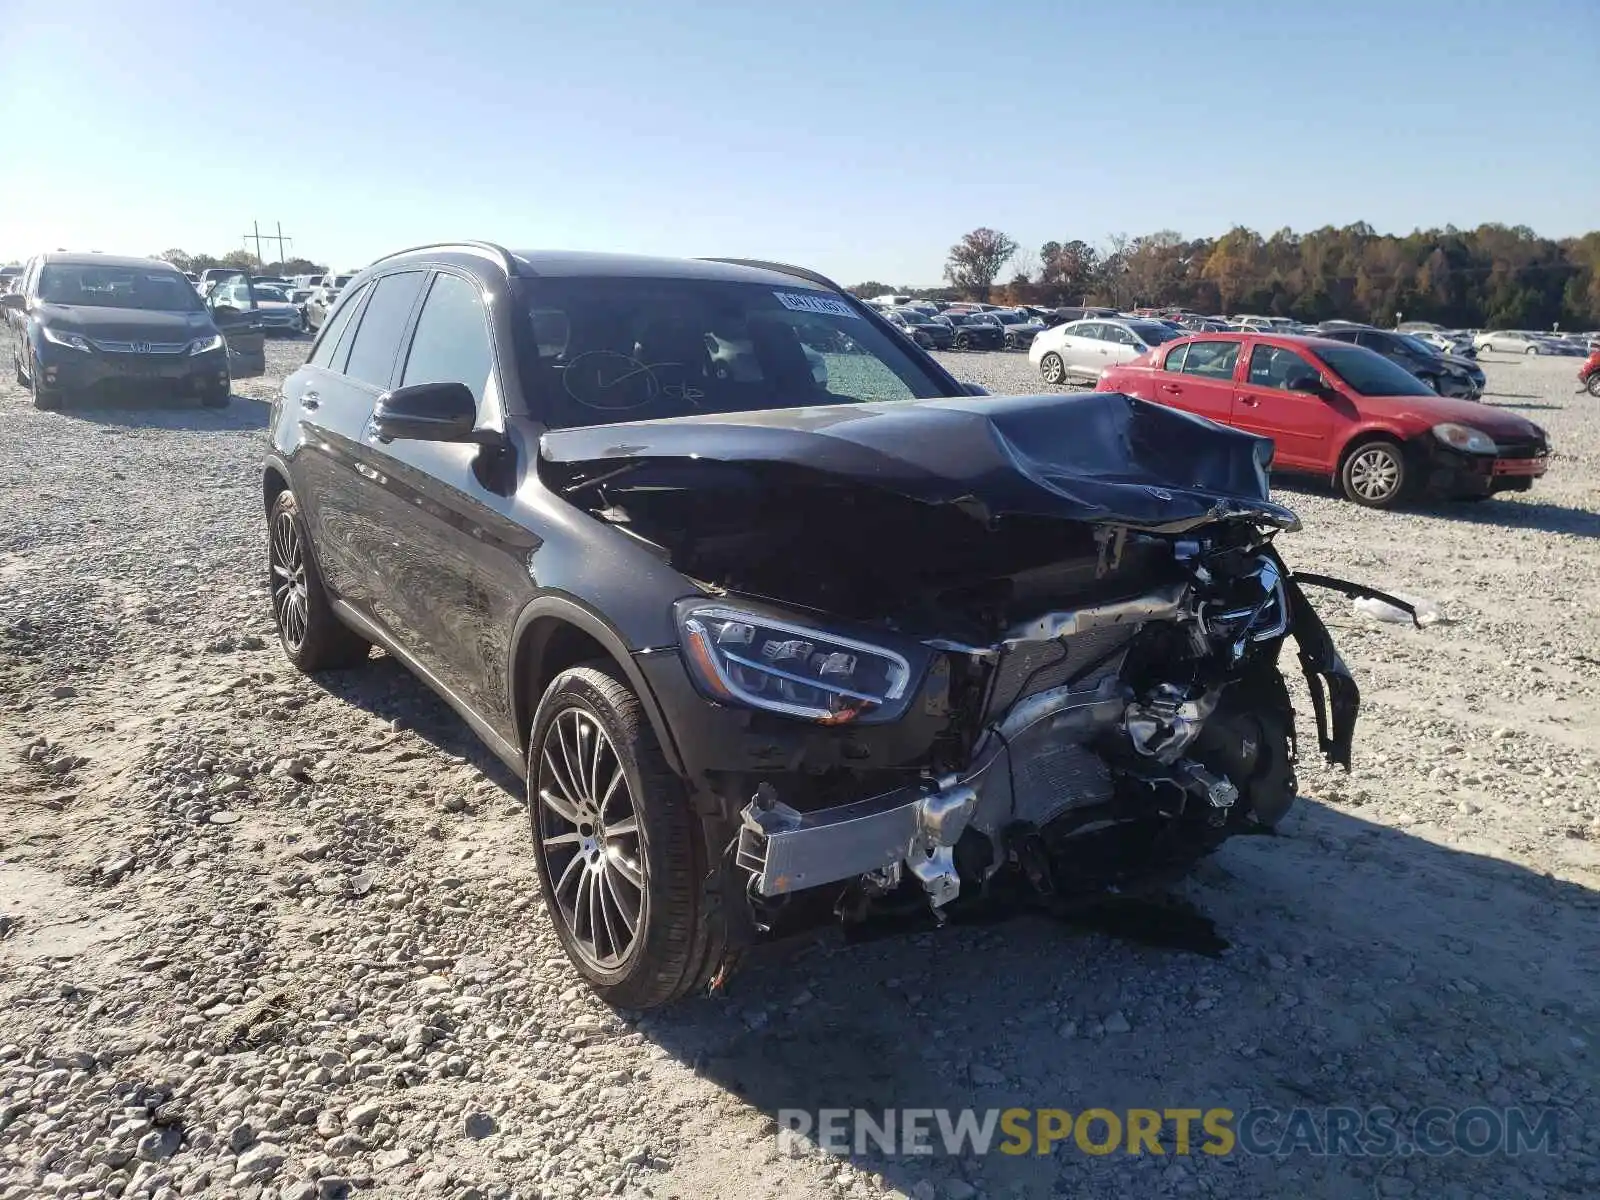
x,y
1092,698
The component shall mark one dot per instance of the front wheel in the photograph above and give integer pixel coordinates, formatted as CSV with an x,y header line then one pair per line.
x,y
45,399
1052,369
615,842
1374,475
1594,384
963,342
312,637
1531,350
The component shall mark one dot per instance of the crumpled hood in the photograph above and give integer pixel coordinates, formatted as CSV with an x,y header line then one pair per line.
x,y
1095,456
1499,424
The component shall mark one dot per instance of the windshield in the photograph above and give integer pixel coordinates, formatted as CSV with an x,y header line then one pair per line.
x,y
1153,333
1370,374
1417,345
1013,319
95,286
609,349
266,291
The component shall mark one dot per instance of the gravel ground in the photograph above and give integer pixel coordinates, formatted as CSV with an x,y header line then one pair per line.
x,y
268,936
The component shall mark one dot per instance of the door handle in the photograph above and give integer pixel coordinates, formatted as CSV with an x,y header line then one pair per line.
x,y
1249,401
310,400
1171,387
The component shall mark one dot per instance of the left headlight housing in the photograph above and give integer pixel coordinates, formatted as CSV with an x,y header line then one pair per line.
x,y
72,341
1465,437
206,344
760,661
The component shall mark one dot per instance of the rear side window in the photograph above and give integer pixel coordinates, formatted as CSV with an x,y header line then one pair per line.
x,y
377,342
1175,359
324,353
451,344
1213,360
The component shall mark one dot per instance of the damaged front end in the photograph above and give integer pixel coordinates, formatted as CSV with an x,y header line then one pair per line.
x,y
956,651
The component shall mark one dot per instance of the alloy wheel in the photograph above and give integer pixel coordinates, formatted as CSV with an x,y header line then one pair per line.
x,y
1052,368
1375,473
290,601
588,833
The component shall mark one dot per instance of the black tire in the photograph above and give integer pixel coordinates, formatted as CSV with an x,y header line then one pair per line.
x,y
312,637
217,399
963,342
1052,369
677,943
1373,474
1010,341
1594,384
1533,350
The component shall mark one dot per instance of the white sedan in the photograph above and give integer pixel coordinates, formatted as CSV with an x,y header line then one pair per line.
x,y
1511,341
1082,349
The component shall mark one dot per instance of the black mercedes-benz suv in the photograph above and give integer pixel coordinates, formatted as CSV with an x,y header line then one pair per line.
x,y
779,622
94,321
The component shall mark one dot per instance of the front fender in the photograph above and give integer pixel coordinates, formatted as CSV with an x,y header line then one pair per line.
x,y
566,609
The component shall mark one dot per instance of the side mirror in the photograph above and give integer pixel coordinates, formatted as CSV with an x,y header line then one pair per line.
x,y
430,412
14,301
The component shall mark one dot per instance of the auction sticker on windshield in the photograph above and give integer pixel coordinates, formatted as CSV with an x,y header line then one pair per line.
x,y
816,304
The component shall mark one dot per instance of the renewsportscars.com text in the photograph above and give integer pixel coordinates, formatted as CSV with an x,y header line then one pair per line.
x,y
1355,1132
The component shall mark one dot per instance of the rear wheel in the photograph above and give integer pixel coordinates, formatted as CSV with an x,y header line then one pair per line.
x,y
615,840
963,342
312,637
1531,350
1374,474
1052,369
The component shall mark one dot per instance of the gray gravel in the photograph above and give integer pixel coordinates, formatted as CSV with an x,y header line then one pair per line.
x,y
267,937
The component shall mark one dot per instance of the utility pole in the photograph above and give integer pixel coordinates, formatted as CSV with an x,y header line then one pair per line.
x,y
256,238
280,239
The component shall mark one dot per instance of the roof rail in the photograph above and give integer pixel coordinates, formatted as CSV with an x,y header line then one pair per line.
x,y
499,255
782,269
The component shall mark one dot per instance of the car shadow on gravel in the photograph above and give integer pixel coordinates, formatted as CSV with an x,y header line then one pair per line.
x,y
1387,945
383,687
1503,511
140,413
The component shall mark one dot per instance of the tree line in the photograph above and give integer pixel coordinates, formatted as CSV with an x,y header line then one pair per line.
x,y
1491,277
243,260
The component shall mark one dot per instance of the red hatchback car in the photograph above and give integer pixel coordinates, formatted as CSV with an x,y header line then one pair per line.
x,y
1343,412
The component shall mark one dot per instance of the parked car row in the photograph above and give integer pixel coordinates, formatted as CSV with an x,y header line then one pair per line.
x,y
965,326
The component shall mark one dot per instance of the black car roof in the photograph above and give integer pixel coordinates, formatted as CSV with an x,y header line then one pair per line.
x,y
107,260
581,263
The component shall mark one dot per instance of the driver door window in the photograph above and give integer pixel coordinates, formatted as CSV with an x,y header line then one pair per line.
x,y
451,342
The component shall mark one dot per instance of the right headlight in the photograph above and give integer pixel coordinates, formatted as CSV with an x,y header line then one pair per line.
x,y
1465,437
748,658
73,341
206,343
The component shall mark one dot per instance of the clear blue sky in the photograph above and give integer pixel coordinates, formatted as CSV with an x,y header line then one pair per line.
x,y
860,138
